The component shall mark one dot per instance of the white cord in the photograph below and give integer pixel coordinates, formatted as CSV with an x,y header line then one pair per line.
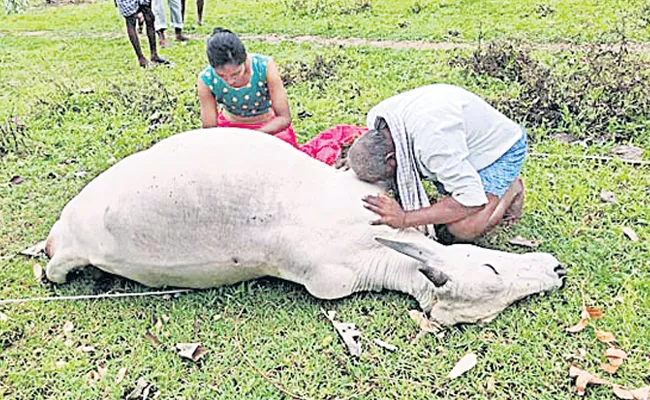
x,y
96,296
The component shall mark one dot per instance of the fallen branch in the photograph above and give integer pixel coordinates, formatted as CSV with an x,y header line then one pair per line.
x,y
596,158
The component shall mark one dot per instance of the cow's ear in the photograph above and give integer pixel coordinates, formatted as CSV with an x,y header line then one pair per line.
x,y
380,124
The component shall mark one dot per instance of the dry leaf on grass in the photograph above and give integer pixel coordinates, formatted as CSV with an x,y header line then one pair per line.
x,y
141,391
191,351
635,394
86,349
16,180
3,317
627,152
607,197
385,345
463,365
615,357
584,378
491,385
627,231
154,340
592,312
36,250
98,375
564,137
120,375
586,314
348,333
523,242
158,325
68,327
38,272
165,318
579,326
60,364
604,336
425,324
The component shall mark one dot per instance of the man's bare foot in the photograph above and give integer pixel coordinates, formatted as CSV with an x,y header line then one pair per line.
x,y
143,62
514,212
163,43
159,60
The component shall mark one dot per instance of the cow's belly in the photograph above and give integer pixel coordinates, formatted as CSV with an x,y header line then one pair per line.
x,y
201,215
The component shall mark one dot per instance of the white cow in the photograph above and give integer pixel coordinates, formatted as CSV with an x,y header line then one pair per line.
x,y
213,207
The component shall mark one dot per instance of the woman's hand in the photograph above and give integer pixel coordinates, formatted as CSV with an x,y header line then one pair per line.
x,y
208,105
279,101
388,209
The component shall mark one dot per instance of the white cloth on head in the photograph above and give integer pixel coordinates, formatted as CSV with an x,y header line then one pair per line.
x,y
409,185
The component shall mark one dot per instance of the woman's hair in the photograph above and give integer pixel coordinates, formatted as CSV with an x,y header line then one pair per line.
x,y
224,47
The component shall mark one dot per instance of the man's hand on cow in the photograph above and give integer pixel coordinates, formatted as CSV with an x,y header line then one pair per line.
x,y
388,209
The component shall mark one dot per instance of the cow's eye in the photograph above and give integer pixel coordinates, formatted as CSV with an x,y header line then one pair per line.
x,y
492,268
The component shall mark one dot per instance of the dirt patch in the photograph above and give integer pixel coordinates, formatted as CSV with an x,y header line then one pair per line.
x,y
359,42
317,73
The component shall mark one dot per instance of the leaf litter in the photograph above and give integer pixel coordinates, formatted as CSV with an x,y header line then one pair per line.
x,y
191,351
615,357
348,332
425,324
629,232
584,378
467,362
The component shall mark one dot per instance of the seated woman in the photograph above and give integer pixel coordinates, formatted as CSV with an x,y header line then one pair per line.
x,y
248,88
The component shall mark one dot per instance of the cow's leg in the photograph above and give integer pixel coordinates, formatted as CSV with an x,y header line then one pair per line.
x,y
331,282
422,283
59,266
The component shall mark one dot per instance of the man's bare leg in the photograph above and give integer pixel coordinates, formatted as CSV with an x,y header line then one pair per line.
x,y
511,200
514,212
473,226
151,35
135,41
492,214
199,10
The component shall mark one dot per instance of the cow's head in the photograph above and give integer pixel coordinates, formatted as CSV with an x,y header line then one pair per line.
x,y
473,284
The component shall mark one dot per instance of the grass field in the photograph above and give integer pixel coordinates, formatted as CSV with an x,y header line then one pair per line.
x,y
85,105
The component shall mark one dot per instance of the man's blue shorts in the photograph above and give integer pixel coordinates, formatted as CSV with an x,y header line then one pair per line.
x,y
498,176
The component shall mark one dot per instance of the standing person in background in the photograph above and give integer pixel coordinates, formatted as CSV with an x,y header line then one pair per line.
x,y
247,88
199,11
129,10
161,20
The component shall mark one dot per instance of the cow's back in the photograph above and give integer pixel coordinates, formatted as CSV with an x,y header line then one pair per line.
x,y
224,196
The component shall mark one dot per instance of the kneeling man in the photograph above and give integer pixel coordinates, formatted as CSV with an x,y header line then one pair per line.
x,y
454,139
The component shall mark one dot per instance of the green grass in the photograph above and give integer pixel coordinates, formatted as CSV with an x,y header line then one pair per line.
x,y
83,99
460,20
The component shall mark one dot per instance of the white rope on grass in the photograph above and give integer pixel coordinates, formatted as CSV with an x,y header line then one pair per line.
x,y
95,296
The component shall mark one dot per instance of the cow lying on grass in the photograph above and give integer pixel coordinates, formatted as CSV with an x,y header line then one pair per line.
x,y
214,207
